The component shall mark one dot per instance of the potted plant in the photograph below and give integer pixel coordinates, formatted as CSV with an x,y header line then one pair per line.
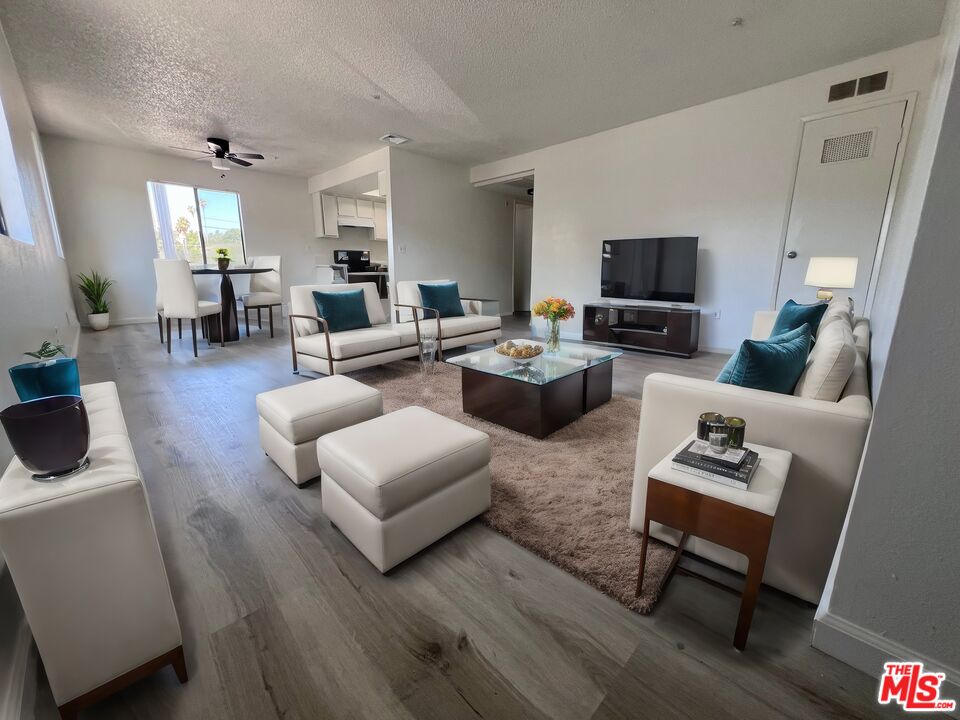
x,y
223,259
47,375
553,310
94,288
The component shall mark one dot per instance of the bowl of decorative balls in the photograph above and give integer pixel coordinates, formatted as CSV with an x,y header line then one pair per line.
x,y
521,353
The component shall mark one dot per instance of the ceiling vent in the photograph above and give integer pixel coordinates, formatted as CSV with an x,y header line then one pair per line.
x,y
394,139
862,86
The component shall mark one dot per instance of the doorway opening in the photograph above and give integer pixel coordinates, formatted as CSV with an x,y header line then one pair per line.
x,y
520,191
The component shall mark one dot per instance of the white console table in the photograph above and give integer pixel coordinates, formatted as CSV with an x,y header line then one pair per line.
x,y
85,560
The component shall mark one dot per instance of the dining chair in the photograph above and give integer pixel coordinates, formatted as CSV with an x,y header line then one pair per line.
x,y
159,310
265,290
178,296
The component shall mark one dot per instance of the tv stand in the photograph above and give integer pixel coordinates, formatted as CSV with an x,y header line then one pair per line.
x,y
672,330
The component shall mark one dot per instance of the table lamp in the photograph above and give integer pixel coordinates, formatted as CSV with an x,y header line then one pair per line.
x,y
824,273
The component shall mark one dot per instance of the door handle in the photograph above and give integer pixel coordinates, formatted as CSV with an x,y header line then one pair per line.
x,y
792,254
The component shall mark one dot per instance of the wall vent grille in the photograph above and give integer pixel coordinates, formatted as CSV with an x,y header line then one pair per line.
x,y
862,86
847,147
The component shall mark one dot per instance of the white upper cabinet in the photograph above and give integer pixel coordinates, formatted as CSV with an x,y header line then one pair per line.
x,y
325,216
365,208
380,221
347,207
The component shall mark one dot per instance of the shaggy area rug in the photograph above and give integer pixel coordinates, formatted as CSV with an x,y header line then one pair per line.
x,y
565,498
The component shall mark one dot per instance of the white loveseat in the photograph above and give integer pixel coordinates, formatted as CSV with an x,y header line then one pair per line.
x,y
315,348
451,332
826,439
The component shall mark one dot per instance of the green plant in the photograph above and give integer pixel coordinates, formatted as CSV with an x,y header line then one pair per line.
x,y
94,288
47,350
223,253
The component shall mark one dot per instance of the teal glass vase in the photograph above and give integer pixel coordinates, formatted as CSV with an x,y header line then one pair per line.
x,y
43,379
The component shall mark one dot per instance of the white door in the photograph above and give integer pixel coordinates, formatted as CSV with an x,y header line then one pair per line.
x,y
522,247
843,182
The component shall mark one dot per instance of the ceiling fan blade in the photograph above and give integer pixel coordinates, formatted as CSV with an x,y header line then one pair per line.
x,y
242,163
174,147
249,156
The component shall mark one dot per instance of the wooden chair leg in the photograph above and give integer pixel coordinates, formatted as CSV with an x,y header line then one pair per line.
x,y
259,319
223,334
203,327
160,327
179,329
270,313
169,335
246,318
193,327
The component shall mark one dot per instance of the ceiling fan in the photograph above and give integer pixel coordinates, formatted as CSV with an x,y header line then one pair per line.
x,y
218,150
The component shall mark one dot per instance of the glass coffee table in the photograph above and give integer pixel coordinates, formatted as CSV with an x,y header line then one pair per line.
x,y
539,396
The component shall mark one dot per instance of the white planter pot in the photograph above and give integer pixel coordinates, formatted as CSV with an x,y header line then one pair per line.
x,y
100,321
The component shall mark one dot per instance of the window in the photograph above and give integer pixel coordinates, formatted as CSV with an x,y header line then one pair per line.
x,y
45,181
14,220
192,223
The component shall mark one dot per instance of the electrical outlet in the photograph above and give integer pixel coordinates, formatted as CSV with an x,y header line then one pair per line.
x,y
715,314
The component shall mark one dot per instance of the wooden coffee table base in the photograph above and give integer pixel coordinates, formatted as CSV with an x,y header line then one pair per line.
x,y
536,410
741,529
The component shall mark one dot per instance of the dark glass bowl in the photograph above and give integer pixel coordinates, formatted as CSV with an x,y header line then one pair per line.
x,y
50,435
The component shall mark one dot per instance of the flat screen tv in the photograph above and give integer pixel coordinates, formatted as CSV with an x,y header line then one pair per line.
x,y
656,269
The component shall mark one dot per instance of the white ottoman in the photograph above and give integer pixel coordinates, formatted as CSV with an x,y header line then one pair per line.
x,y
292,418
395,484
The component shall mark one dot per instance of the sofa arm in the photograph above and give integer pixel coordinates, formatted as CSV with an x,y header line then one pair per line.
x,y
294,334
826,440
763,321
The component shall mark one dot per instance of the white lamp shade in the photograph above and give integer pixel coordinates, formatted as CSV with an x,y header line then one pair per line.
x,y
831,272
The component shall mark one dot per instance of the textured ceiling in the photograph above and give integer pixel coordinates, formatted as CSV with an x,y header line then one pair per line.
x,y
467,80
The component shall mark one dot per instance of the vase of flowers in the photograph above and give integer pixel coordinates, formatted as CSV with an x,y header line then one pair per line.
x,y
553,310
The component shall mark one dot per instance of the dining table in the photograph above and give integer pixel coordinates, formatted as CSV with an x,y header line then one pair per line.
x,y
228,300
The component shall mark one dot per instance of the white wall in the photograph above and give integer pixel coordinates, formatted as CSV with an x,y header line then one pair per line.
x,y
103,211
35,296
722,171
906,218
443,227
896,577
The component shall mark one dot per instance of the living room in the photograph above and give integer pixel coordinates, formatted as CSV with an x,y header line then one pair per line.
x,y
349,446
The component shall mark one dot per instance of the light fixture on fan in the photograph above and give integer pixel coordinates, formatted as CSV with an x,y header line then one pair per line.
x,y
219,164
824,273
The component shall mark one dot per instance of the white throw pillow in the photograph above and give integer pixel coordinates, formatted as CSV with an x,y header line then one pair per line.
x,y
829,365
838,309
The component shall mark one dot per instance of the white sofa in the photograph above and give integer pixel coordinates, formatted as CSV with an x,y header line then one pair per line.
x,y
826,439
315,348
451,332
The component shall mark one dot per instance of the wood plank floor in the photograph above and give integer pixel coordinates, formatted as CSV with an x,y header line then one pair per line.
x,y
283,618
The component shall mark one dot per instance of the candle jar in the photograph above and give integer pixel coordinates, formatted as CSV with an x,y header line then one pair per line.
x,y
717,435
736,431
703,424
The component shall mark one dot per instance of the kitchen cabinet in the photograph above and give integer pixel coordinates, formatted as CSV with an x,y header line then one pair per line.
x,y
380,221
325,216
347,207
365,208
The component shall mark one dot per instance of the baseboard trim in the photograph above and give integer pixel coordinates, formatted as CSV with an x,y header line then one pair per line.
x,y
868,651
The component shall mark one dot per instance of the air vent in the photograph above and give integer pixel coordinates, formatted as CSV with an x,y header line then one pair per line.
x,y
872,83
847,147
863,86
842,91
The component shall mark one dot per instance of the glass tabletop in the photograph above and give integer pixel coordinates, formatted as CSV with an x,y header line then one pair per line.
x,y
545,368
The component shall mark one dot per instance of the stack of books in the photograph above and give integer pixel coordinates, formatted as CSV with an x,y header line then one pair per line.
x,y
731,467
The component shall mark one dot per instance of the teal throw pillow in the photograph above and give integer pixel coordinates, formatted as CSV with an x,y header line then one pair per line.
x,y
342,310
793,315
727,371
772,366
442,297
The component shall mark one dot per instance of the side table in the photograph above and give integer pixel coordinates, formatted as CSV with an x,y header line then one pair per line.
x,y
741,520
